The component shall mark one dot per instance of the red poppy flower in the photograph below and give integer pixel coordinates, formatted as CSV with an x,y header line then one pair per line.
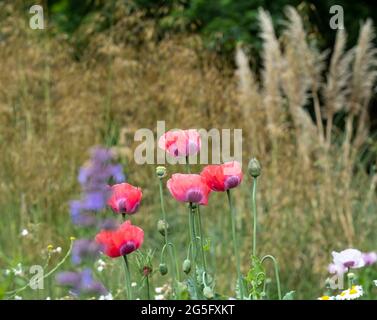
x,y
180,143
189,188
121,241
125,198
223,176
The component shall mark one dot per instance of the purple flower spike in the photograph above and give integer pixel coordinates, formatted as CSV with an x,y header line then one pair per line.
x,y
85,249
81,282
108,224
69,279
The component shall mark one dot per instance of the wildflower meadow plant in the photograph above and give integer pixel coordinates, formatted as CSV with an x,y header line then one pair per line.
x,y
114,239
104,188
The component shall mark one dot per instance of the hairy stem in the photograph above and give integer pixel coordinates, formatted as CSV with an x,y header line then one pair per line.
x,y
235,244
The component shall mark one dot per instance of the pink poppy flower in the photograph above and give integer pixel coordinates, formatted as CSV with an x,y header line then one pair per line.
x,y
180,143
124,240
189,188
125,198
223,176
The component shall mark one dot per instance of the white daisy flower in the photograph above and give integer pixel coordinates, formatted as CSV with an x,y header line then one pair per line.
x,y
100,262
133,284
17,298
58,250
375,282
48,298
100,268
353,293
24,233
158,290
109,296
159,297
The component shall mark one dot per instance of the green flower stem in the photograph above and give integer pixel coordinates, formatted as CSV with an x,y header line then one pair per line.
x,y
235,244
128,278
127,269
171,254
254,205
17,291
163,210
201,239
189,251
193,244
276,267
188,165
174,253
147,283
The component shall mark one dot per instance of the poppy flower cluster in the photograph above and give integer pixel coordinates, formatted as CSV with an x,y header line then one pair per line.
x,y
195,188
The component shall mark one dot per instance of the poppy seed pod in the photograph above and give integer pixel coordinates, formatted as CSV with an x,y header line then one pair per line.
x,y
161,226
163,269
254,168
186,266
208,293
161,172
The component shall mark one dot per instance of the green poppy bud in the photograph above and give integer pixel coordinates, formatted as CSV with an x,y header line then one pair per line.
x,y
161,172
254,168
208,293
351,276
163,269
186,266
161,225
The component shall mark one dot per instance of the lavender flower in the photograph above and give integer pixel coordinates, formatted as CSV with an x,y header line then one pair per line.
x,y
85,249
81,282
94,178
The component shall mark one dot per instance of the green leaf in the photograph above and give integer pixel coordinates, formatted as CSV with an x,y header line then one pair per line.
x,y
289,295
255,277
207,245
182,291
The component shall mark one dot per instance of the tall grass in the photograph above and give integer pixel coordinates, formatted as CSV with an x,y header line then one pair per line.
x,y
315,192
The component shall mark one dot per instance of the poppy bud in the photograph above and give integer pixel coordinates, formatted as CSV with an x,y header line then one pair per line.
x,y
161,226
208,293
147,271
163,269
186,266
351,276
254,168
161,172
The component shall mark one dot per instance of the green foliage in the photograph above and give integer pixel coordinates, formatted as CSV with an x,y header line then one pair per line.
x,y
289,295
222,23
255,278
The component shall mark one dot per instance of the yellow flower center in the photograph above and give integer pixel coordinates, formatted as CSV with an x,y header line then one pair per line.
x,y
353,291
325,298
